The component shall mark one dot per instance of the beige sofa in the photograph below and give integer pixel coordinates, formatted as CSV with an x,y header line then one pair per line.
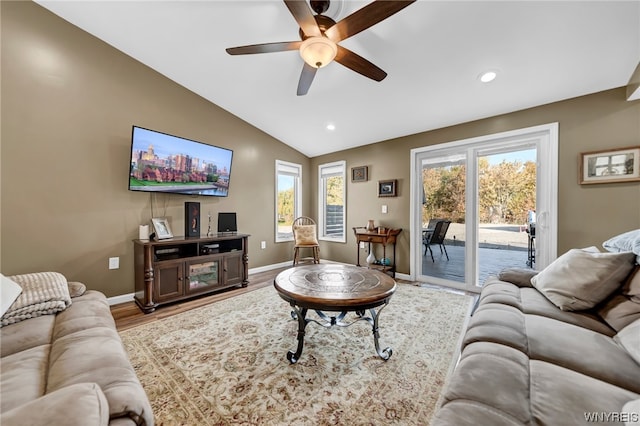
x,y
529,359
69,367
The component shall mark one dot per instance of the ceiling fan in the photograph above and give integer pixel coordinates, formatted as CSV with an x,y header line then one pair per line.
x,y
320,36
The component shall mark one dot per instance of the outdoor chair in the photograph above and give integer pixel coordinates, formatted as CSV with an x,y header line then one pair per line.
x,y
304,234
436,237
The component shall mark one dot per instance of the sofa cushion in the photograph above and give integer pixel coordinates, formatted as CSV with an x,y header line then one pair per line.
x,y
9,292
632,287
528,300
77,405
493,376
23,377
497,385
87,348
581,279
560,396
566,345
518,276
619,311
26,334
629,339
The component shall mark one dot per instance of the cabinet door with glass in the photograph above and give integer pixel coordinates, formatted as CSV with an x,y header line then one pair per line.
x,y
203,274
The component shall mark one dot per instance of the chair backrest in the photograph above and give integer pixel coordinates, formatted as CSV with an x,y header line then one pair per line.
x,y
440,231
302,220
432,223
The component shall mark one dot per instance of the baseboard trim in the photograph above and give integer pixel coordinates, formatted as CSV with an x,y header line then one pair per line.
x,y
124,298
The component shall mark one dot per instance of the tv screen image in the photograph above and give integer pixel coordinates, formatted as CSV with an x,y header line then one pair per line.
x,y
161,162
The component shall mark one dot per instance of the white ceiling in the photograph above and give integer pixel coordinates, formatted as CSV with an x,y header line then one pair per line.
x,y
433,52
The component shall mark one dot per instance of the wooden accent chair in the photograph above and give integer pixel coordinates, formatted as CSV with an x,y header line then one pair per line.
x,y
304,234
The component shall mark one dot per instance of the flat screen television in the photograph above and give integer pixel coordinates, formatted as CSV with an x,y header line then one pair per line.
x,y
165,163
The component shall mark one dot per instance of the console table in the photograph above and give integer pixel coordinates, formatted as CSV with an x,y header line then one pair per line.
x,y
181,268
375,237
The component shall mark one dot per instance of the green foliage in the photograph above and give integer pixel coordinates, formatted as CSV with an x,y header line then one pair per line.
x,y
507,191
335,191
286,208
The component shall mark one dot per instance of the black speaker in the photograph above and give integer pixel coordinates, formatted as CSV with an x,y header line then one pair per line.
x,y
191,219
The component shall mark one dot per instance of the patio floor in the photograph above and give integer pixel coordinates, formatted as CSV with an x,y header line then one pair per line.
x,y
491,261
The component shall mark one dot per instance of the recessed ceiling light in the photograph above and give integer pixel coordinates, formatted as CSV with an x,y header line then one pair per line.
x,y
487,76
331,126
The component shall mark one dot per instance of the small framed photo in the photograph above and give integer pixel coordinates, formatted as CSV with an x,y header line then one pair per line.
x,y
360,174
162,228
616,165
387,188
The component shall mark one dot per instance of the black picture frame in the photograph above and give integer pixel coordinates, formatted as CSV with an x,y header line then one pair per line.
x,y
387,188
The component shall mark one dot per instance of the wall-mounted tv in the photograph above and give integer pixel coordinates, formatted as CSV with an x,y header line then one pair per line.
x,y
165,163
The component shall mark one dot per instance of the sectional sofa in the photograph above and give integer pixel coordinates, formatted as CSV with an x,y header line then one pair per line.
x,y
558,347
63,362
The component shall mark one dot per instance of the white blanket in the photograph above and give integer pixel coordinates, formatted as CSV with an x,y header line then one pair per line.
x,y
43,293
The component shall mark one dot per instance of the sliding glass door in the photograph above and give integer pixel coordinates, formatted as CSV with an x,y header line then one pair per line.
x,y
475,207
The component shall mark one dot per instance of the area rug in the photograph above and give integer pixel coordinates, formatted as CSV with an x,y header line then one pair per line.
x,y
225,363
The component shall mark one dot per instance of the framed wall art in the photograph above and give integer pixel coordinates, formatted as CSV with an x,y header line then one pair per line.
x,y
616,165
360,174
162,228
387,188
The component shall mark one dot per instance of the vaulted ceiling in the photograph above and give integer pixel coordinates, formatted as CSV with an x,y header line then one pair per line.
x,y
433,52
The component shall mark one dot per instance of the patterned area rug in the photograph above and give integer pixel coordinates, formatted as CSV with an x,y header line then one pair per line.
x,y
226,363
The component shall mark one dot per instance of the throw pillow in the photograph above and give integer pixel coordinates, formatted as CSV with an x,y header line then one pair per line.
x,y
629,241
305,234
9,292
581,279
629,339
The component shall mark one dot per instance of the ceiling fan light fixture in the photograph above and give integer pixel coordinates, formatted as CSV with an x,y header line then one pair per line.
x,y
318,51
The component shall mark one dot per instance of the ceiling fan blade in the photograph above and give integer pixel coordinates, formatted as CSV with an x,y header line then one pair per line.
x,y
359,64
364,18
306,78
303,16
264,48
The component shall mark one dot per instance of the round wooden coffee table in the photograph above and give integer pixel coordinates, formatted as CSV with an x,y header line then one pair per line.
x,y
335,288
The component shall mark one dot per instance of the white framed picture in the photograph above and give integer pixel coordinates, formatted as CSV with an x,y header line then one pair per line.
x,y
161,228
616,165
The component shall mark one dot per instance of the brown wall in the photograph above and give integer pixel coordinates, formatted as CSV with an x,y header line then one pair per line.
x,y
587,215
68,103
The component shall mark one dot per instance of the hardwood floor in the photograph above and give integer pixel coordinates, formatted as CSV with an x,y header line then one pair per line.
x,y
128,314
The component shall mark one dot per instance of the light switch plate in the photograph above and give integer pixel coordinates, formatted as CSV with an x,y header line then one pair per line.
x,y
384,208
114,263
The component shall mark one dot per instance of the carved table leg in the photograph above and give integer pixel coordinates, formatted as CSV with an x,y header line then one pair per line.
x,y
300,315
386,353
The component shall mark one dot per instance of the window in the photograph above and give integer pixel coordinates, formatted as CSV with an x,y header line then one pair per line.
x,y
288,198
332,201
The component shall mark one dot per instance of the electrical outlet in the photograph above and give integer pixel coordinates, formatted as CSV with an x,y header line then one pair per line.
x,y
384,209
263,244
362,244
114,263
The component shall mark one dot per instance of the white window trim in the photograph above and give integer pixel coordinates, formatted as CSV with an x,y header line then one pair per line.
x,y
291,169
341,168
545,137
